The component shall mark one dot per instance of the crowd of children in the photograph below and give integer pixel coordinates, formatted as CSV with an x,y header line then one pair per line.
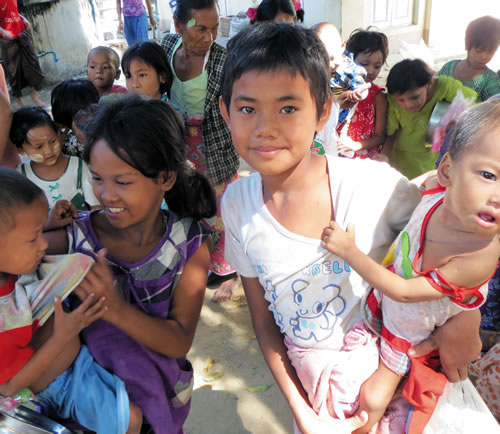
x,y
111,173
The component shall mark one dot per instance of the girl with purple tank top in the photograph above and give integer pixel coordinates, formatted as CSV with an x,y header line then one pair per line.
x,y
154,267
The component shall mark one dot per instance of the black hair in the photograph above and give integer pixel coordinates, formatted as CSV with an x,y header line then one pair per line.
x,y
24,120
70,96
113,55
473,125
84,116
152,54
407,75
483,33
277,46
268,9
15,190
183,10
367,41
149,136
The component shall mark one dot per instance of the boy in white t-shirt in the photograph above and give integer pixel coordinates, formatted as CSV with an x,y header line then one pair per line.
x,y
274,220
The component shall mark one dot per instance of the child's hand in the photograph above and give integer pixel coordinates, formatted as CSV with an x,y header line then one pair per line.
x,y
338,241
346,145
311,423
99,281
69,325
61,215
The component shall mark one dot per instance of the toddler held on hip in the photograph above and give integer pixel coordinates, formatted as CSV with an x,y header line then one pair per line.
x,y
362,134
441,262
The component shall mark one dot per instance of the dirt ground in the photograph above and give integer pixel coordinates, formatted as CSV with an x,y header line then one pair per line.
x,y
225,335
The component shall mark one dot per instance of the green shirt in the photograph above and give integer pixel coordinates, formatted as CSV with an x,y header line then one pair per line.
x,y
486,85
410,154
189,96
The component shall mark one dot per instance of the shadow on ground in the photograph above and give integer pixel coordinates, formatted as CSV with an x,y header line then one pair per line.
x,y
225,405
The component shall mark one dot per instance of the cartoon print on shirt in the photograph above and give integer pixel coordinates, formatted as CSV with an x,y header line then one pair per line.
x,y
278,317
315,318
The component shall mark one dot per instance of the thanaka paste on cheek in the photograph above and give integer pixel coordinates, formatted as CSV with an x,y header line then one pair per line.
x,y
37,158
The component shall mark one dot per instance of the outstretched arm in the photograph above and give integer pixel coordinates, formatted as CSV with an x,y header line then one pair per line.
x,y
341,243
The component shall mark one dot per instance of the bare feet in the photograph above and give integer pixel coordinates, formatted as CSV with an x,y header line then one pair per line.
x,y
36,98
226,289
19,102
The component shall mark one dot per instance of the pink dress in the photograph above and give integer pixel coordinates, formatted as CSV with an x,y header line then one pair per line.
x,y
361,124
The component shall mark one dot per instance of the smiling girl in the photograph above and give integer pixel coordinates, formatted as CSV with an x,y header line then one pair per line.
x,y
154,270
413,93
58,175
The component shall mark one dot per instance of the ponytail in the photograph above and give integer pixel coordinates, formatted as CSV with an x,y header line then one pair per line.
x,y
192,195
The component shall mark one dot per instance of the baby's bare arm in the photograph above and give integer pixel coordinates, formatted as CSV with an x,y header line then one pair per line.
x,y
341,243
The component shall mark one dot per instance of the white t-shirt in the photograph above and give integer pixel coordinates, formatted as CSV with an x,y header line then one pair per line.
x,y
65,187
314,295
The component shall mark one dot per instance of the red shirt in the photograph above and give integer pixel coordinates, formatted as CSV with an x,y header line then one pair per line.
x,y
14,338
9,17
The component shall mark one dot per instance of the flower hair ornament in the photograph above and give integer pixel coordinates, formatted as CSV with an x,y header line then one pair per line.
x,y
252,14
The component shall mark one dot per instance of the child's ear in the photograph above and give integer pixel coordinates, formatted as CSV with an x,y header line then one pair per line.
x,y
224,111
443,171
163,78
167,180
118,74
325,114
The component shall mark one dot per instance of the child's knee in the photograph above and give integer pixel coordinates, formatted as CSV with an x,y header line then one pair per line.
x,y
135,419
375,396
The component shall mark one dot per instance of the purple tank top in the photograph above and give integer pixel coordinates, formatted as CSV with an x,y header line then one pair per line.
x,y
133,8
160,386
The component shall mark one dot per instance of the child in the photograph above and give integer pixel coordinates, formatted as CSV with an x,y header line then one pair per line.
x,y
279,11
363,134
275,96
134,23
50,361
18,53
344,97
413,92
482,38
67,98
35,134
424,283
103,68
159,259
147,70
81,121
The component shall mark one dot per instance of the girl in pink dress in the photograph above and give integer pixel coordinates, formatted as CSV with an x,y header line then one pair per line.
x,y
362,134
